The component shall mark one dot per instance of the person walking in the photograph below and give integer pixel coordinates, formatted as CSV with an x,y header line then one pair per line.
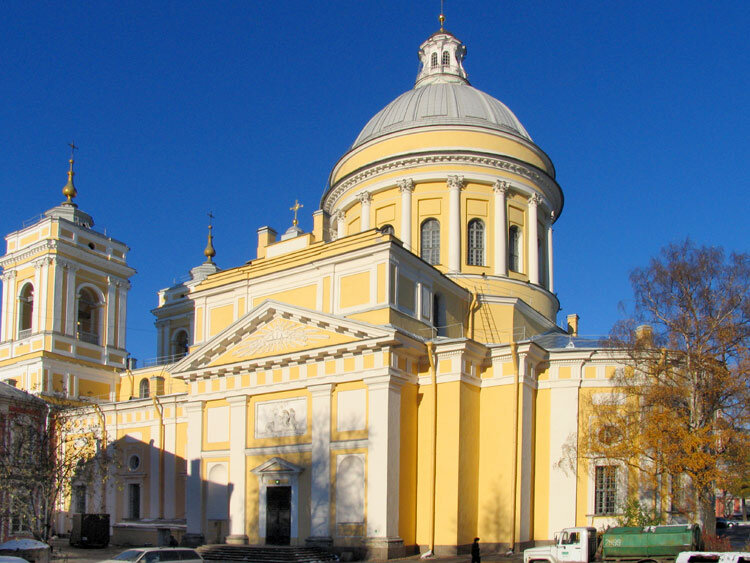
x,y
475,551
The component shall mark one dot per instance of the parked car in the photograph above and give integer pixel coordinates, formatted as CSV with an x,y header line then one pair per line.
x,y
722,523
157,554
713,557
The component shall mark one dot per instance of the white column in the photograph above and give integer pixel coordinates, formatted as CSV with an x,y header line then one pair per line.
x,y
550,262
70,301
320,475
406,187
365,199
11,304
383,442
36,312
194,488
41,300
110,339
340,218
533,244
237,469
455,183
122,313
57,298
501,228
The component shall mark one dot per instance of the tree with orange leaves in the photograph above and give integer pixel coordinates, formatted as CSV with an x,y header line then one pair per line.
x,y
679,411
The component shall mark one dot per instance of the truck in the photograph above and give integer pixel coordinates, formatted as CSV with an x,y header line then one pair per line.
x,y
651,544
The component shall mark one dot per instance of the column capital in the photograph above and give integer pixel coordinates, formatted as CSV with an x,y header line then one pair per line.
x,y
455,182
364,197
9,276
501,187
406,185
237,400
320,390
338,215
382,382
535,200
194,407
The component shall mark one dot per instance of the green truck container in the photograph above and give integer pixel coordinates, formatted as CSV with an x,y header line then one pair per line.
x,y
658,543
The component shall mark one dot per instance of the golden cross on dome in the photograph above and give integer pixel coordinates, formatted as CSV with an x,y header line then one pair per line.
x,y
442,16
296,207
73,148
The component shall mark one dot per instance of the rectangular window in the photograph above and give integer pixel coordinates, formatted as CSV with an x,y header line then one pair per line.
x,y
134,501
79,499
605,491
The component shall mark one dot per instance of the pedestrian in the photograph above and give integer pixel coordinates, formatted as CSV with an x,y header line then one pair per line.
x,y
475,551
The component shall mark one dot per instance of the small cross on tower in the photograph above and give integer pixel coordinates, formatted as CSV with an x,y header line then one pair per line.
x,y
296,207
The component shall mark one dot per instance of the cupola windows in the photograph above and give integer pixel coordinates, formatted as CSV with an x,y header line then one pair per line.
x,y
430,241
25,310
446,58
515,249
89,307
434,60
475,255
143,389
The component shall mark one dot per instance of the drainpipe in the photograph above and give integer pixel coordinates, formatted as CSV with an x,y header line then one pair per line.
x,y
103,422
132,382
514,468
160,413
433,457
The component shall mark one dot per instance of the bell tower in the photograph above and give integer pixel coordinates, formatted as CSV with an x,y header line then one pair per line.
x,y
64,304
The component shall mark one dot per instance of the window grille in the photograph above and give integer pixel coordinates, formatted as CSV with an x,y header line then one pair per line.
x,y
434,60
475,255
430,241
446,58
605,489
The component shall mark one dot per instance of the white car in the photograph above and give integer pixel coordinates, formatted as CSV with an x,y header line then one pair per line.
x,y
156,554
713,557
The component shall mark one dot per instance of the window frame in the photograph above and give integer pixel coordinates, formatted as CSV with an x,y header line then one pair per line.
x,y
606,490
95,306
26,310
515,249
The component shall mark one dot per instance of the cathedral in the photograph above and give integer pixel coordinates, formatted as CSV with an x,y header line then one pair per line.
x,y
392,382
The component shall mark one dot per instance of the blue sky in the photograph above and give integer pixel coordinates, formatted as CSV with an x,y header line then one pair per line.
x,y
240,107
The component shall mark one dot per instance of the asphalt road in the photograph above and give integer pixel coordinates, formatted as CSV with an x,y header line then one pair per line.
x,y
739,536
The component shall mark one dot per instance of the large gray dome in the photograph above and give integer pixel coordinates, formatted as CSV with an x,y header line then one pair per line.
x,y
442,103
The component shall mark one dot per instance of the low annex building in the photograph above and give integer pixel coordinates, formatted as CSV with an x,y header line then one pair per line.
x,y
392,381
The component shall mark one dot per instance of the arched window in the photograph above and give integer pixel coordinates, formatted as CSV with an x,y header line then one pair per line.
x,y
88,316
430,241
433,61
387,230
475,256
25,310
514,248
180,344
446,58
143,389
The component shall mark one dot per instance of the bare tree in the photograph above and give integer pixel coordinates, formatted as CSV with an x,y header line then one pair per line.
x,y
680,409
44,453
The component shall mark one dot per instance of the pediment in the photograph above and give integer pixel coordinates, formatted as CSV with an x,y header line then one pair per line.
x,y
274,329
277,465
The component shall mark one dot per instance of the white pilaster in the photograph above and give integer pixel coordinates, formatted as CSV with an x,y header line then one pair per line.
x,y
122,314
455,183
406,187
501,228
365,199
170,455
550,262
533,244
154,476
383,443
70,301
194,488
7,296
110,339
237,470
57,299
320,495
12,303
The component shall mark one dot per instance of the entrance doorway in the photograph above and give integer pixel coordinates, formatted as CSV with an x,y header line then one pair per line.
x,y
278,515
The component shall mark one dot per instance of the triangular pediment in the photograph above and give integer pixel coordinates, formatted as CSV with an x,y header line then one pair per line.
x,y
273,330
277,465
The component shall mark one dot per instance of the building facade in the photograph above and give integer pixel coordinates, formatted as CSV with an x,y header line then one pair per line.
x,y
392,381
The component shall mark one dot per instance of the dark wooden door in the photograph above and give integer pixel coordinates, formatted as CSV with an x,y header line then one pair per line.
x,y
278,515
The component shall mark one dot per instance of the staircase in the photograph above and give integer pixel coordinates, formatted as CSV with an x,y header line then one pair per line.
x,y
264,553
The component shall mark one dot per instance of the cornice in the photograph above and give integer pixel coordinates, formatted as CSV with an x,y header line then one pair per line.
x,y
501,163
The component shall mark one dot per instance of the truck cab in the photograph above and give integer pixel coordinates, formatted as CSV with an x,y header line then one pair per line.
x,y
574,545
